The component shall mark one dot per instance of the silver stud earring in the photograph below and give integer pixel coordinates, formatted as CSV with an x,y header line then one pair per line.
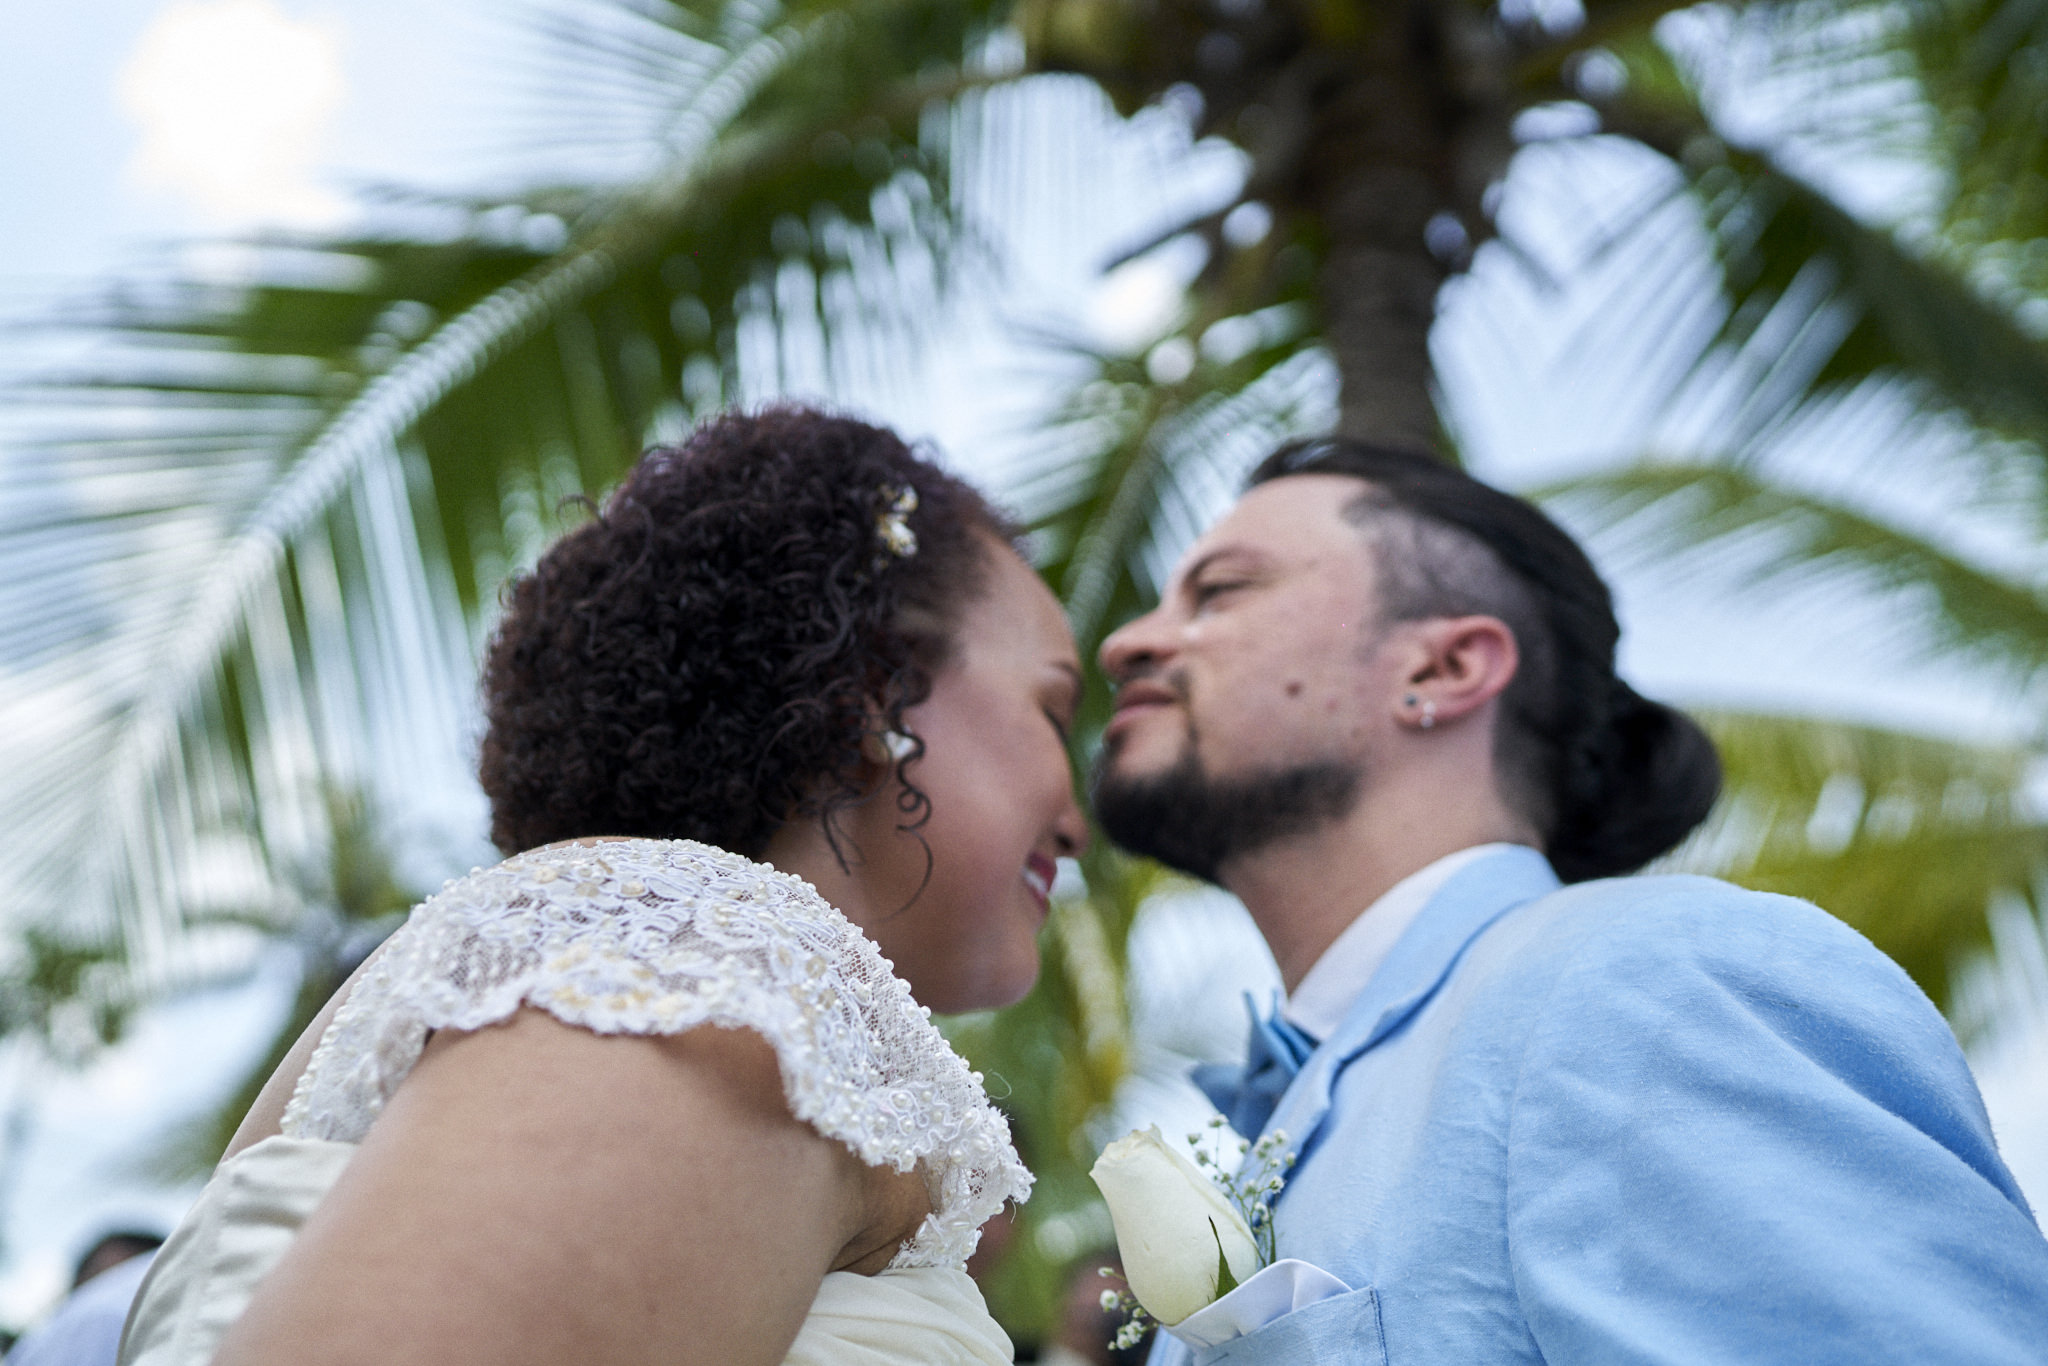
x,y
1428,715
899,745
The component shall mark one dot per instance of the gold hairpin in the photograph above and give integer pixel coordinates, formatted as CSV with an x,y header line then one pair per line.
x,y
892,523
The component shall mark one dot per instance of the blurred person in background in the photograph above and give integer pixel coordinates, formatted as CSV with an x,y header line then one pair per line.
x,y
1542,1111
1087,1327
85,1330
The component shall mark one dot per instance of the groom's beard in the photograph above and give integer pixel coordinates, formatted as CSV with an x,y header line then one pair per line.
x,y
1195,823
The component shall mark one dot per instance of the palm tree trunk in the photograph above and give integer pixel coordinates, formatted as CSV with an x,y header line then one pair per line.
x,y
1377,289
1408,130
1365,120
1374,130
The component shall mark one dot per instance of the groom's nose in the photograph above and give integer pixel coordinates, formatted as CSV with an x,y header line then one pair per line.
x,y
1140,644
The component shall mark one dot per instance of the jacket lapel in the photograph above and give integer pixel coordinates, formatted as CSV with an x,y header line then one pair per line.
x,y
1421,959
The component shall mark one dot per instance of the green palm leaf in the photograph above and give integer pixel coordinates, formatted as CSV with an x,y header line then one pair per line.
x,y
1759,529
1864,304
1981,64
299,487
1818,299
1908,838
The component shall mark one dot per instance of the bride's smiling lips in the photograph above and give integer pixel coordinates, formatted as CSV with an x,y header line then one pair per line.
x,y
1139,697
1039,872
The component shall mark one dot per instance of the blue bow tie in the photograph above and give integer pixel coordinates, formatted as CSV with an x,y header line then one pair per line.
x,y
1247,1095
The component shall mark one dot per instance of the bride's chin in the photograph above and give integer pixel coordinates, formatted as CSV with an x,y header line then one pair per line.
x,y
993,988
1016,992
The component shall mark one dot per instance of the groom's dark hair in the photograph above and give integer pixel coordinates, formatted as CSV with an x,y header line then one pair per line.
x,y
1609,778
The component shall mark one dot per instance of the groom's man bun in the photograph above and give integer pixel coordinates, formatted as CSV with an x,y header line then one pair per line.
x,y
1610,778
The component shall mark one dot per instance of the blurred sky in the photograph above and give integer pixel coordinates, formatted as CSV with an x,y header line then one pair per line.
x,y
127,124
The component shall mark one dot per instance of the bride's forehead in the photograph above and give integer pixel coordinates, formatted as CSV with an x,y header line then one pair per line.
x,y
1011,584
1016,613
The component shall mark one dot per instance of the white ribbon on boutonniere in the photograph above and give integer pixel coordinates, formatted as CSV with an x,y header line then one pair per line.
x,y
1197,1242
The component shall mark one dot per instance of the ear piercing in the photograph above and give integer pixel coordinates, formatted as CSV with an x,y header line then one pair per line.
x,y
1428,721
891,746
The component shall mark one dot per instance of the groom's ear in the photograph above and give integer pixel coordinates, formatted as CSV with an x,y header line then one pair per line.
x,y
1465,662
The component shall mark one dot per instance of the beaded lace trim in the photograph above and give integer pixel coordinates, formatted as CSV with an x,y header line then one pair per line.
x,y
656,937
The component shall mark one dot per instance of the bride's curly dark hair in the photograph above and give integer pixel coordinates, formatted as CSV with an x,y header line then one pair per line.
x,y
703,659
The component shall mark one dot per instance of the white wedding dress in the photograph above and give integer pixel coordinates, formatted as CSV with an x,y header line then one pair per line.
x,y
633,937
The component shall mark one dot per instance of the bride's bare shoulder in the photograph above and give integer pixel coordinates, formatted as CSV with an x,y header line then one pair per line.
x,y
472,895
553,1178
265,1118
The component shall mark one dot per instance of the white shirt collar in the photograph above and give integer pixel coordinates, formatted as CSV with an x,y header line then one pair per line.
x,y
1340,976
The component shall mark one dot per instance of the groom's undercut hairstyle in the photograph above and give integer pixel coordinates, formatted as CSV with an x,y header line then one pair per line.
x,y
1610,779
703,658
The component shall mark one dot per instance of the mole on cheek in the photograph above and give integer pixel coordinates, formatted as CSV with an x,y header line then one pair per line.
x,y
1294,688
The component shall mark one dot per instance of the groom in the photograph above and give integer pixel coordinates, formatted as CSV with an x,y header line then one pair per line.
x,y
1541,1115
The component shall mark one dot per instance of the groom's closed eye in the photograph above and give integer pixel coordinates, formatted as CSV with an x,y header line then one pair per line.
x,y
1222,571
1209,590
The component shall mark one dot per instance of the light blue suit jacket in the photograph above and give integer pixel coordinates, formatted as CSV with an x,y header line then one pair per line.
x,y
1655,1119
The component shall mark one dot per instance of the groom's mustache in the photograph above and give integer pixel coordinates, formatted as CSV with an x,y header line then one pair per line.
x,y
1150,683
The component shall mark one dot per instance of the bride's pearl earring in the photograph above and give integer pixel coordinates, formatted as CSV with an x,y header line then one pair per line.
x,y
887,747
1428,715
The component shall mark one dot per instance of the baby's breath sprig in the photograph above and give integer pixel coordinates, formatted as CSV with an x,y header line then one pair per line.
x,y
1136,1321
1254,1191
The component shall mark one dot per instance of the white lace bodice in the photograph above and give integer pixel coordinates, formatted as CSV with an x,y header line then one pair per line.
x,y
656,937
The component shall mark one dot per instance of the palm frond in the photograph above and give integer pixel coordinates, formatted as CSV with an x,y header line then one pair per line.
x,y
348,907
1982,64
302,481
1861,303
1783,535
1817,297
1910,839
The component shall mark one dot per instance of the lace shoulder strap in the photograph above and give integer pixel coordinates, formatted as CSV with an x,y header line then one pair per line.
x,y
657,937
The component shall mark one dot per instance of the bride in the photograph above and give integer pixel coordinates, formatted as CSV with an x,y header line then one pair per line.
x,y
789,714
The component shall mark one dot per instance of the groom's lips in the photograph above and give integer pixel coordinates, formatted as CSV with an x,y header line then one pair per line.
x,y
1135,699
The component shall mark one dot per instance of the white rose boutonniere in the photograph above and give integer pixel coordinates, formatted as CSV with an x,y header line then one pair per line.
x,y
1188,1231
